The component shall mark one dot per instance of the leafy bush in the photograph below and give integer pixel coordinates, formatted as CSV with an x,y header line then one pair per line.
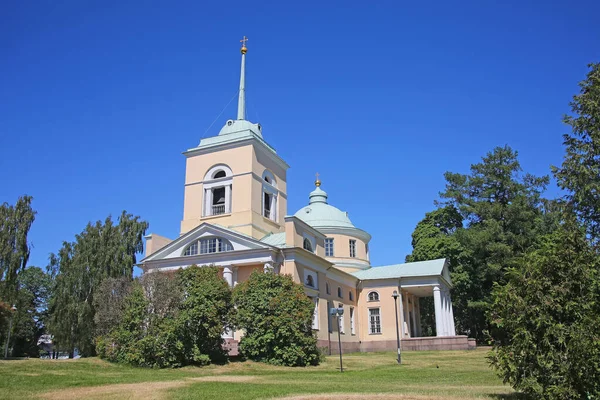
x,y
204,313
547,318
171,321
276,316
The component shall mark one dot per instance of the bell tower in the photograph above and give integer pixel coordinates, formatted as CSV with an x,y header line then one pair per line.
x,y
236,179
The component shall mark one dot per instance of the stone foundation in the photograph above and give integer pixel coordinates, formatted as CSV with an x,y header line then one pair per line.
x,y
407,344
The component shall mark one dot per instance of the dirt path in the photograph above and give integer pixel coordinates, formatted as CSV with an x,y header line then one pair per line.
x,y
135,391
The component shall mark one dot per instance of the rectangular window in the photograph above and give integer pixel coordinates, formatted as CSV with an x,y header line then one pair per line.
x,y
352,328
374,321
328,247
352,248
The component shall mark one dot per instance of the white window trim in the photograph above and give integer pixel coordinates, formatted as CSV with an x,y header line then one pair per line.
x,y
331,247
312,240
271,176
308,273
273,209
369,296
380,322
209,184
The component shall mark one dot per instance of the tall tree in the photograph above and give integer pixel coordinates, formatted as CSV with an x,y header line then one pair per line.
x,y
102,250
15,222
579,173
502,210
34,287
546,318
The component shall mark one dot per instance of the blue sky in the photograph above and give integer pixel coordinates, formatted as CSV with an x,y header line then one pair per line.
x,y
99,98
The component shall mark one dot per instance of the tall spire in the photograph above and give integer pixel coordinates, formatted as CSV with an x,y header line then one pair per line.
x,y
242,95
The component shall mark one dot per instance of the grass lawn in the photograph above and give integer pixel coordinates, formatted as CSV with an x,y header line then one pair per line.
x,y
423,375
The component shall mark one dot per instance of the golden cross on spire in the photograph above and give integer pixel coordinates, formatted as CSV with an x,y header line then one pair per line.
x,y
318,181
244,49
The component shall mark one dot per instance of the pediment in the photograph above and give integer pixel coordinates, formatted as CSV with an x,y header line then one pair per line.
x,y
176,248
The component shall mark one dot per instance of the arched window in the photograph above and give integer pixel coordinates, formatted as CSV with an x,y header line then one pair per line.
x,y
191,250
351,295
373,296
217,190
340,293
310,281
209,245
308,245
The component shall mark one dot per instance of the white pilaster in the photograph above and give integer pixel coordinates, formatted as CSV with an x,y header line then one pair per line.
x,y
235,276
228,275
227,199
437,301
207,202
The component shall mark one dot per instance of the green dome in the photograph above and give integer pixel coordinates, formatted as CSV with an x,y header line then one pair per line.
x,y
319,214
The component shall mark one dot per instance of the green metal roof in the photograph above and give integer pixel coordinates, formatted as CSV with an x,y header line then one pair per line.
x,y
419,268
274,239
234,131
320,214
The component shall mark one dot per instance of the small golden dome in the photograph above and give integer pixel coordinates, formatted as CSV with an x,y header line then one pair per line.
x,y
318,181
244,50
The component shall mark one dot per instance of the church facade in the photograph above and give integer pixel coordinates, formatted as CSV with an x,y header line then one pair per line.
x,y
235,217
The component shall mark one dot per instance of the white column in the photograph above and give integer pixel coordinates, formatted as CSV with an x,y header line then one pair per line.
x,y
228,199
446,315
401,310
405,326
452,327
419,332
414,317
228,275
437,301
268,267
235,276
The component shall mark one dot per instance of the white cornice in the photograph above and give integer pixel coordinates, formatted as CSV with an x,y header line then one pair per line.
x,y
354,232
239,143
314,231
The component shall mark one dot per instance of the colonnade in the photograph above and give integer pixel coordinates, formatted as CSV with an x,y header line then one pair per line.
x,y
444,316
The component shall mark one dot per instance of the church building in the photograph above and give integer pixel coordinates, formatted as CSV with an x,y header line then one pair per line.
x,y
235,217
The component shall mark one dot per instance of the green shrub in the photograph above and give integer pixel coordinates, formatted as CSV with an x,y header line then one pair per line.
x,y
276,316
547,319
170,322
